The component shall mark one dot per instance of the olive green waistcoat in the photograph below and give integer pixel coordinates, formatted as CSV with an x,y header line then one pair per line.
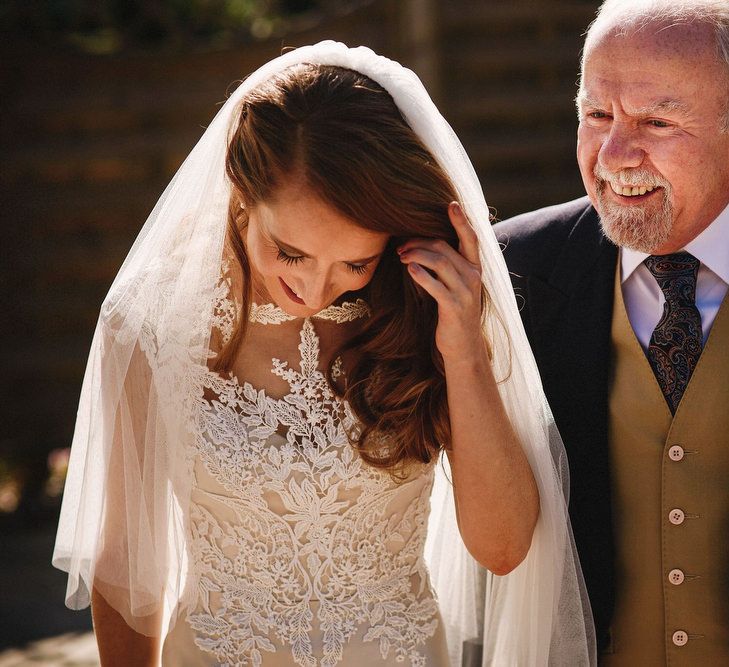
x,y
670,495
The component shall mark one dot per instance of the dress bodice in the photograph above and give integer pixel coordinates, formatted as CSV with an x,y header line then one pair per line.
x,y
298,546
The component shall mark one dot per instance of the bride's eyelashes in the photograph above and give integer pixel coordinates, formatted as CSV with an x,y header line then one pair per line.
x,y
289,260
359,269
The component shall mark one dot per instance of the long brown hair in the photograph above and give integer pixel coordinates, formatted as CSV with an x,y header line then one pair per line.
x,y
344,136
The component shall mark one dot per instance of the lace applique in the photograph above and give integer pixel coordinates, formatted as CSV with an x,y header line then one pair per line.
x,y
337,370
269,313
297,545
346,312
227,307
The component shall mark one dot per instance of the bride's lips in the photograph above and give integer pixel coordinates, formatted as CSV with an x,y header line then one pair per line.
x,y
291,294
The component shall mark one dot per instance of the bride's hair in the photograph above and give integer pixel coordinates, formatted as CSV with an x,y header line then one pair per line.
x,y
344,136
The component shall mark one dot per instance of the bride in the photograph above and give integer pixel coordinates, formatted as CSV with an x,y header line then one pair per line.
x,y
313,341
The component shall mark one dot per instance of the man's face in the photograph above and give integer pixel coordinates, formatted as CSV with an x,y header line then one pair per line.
x,y
653,158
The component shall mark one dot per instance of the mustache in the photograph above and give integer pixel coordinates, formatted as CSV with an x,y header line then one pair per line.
x,y
630,177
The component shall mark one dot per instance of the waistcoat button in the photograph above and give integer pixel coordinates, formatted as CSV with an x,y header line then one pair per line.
x,y
680,638
676,517
675,453
676,577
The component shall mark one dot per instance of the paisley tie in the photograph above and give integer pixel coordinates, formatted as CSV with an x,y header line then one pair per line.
x,y
676,343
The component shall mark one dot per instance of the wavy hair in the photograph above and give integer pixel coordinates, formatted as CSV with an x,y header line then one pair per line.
x,y
344,136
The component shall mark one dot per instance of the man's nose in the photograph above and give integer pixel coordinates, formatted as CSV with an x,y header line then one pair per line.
x,y
621,149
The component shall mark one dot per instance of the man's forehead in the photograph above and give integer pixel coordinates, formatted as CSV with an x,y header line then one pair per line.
x,y
655,39
654,69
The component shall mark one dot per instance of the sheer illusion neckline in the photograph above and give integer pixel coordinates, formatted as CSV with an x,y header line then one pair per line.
x,y
309,380
270,313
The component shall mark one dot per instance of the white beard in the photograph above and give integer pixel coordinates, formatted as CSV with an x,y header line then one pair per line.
x,y
641,228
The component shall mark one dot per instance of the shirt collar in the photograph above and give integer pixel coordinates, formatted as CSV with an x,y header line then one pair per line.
x,y
711,248
630,260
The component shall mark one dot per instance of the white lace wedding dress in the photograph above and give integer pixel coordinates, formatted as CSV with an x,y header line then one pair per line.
x,y
291,551
302,553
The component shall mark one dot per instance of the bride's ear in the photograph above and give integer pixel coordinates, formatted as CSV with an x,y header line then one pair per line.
x,y
239,213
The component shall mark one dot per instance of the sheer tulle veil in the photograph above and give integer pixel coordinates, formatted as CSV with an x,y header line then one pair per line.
x,y
124,518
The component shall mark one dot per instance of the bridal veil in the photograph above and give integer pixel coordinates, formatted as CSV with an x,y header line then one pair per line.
x,y
124,518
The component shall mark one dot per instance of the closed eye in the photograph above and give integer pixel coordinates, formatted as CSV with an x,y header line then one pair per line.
x,y
359,269
288,259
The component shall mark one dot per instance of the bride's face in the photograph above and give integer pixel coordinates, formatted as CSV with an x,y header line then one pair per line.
x,y
305,253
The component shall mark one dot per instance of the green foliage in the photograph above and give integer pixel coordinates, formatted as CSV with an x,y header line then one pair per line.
x,y
111,26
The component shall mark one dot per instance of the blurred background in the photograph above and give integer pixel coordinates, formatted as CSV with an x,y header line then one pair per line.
x,y
101,102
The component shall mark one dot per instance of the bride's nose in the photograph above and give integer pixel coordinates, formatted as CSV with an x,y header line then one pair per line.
x,y
317,290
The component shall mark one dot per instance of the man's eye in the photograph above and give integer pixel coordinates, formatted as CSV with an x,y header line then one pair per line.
x,y
597,115
288,259
658,123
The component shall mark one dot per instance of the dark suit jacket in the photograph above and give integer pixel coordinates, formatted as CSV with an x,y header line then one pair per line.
x,y
563,271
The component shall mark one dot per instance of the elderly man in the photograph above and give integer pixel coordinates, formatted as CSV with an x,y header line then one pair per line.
x,y
625,305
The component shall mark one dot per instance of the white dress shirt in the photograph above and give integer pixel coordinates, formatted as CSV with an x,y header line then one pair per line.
x,y
644,299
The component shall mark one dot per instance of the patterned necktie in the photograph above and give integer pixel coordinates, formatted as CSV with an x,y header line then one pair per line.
x,y
676,343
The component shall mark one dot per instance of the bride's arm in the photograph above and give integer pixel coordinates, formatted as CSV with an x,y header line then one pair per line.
x,y
124,637
497,501
119,645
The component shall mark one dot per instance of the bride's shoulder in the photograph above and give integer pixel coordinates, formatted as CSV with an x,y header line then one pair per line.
x,y
149,302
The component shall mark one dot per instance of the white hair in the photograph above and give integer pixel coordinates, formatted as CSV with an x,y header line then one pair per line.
x,y
625,16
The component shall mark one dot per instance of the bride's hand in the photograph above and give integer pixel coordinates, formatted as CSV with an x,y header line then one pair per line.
x,y
453,279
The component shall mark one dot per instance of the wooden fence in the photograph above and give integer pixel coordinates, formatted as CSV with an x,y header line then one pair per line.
x,y
89,143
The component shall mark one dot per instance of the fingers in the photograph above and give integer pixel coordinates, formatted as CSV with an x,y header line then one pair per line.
x,y
468,241
453,279
456,278
429,283
441,270
438,257
459,304
448,265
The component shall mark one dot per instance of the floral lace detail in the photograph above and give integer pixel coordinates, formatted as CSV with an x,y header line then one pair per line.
x,y
346,312
225,313
297,545
269,313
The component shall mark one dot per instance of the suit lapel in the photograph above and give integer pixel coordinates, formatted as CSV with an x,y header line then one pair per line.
x,y
574,307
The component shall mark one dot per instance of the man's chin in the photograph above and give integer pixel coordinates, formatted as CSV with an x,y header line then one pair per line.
x,y
631,234
639,224
635,228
